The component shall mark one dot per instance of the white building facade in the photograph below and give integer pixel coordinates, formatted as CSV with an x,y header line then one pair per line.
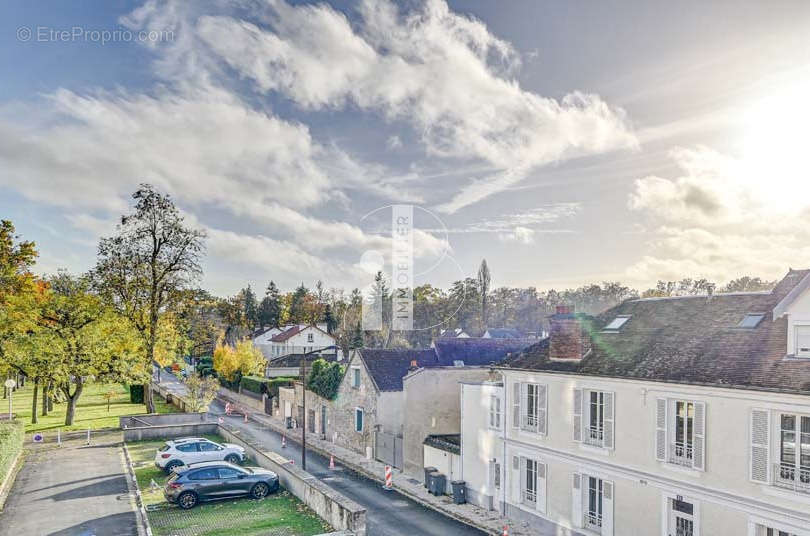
x,y
295,339
572,443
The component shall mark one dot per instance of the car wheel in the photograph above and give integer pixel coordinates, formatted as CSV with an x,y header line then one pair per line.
x,y
187,500
232,458
172,464
260,491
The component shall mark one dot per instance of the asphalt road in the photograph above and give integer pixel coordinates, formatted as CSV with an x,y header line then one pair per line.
x,y
75,490
388,512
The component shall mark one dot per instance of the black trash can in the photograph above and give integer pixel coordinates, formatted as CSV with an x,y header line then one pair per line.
x,y
428,470
459,491
438,483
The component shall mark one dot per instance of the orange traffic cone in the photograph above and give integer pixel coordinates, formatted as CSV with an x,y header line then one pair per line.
x,y
283,441
506,530
331,462
246,416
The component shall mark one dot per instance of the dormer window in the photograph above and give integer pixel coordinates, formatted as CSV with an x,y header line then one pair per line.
x,y
803,341
617,323
751,320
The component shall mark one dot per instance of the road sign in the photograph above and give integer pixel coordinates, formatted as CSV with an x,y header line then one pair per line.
x,y
38,438
10,383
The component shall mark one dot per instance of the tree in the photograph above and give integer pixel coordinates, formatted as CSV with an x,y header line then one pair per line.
x,y
251,307
85,339
324,378
140,269
298,305
170,343
233,362
483,286
200,392
685,287
748,284
270,307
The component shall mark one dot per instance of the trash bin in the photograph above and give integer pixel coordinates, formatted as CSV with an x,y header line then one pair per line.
x,y
438,483
288,422
459,491
428,470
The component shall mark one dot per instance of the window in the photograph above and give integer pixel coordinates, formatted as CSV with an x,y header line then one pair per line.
x,y
496,475
532,407
494,412
751,320
793,467
802,341
310,337
593,417
762,530
358,419
529,482
680,432
681,517
592,508
356,377
205,474
617,323
205,446
187,447
227,472
593,511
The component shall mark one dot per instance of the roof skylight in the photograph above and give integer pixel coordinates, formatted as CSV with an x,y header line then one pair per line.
x,y
751,320
617,323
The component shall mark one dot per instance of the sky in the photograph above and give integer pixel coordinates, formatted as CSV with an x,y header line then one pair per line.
x,y
564,142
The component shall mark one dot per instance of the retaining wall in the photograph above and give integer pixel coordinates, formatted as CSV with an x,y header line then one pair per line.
x,y
159,419
171,431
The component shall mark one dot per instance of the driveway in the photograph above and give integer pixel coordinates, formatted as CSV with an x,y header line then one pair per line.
x,y
75,490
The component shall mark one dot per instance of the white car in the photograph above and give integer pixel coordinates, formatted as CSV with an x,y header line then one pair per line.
x,y
195,450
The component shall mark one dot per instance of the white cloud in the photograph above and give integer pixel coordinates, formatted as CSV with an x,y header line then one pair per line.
x,y
523,235
442,72
394,142
711,221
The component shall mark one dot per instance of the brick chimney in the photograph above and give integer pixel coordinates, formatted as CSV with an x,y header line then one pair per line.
x,y
566,337
414,365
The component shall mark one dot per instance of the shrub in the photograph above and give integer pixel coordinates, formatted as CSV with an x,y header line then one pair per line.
x,y
325,378
136,394
11,442
274,383
255,384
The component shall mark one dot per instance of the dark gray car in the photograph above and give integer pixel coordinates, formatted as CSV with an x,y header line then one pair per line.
x,y
218,480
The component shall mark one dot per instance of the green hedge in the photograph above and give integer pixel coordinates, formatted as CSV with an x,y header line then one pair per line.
x,y
325,378
11,441
273,384
255,384
136,394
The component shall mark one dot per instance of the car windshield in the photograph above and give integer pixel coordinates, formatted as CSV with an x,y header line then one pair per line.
x,y
172,478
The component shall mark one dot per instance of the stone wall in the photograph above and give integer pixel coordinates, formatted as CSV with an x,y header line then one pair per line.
x,y
170,431
348,398
152,419
245,401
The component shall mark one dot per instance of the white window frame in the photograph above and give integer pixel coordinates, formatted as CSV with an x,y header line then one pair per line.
x,y
528,482
362,421
495,412
532,407
604,435
581,515
666,507
797,352
689,454
794,476
356,377
310,337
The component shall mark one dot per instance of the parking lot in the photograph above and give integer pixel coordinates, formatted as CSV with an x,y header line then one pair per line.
x,y
278,514
73,490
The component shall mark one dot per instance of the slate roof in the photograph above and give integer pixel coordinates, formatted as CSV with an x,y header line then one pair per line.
x,y
446,442
388,367
505,333
477,351
691,339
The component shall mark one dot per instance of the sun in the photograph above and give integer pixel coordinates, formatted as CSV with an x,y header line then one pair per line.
x,y
776,147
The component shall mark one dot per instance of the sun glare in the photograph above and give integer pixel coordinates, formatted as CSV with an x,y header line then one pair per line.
x,y
776,147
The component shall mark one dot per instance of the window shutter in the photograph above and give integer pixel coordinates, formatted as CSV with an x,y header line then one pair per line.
x,y
522,477
607,508
699,458
541,486
542,409
661,429
577,414
516,480
576,501
609,420
760,445
516,405
524,405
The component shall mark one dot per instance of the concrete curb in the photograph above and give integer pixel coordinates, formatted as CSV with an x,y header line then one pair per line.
x,y
376,478
143,519
8,482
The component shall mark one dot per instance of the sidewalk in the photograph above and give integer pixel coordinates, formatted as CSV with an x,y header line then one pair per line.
x,y
488,521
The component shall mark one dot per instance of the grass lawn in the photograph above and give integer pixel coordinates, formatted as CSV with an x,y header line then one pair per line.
x,y
91,411
280,513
